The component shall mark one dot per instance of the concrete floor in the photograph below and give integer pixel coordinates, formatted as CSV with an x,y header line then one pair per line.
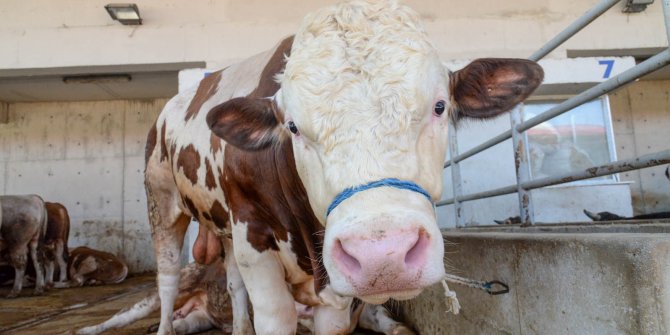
x,y
65,310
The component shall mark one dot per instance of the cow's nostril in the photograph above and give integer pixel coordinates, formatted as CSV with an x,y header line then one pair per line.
x,y
345,259
417,254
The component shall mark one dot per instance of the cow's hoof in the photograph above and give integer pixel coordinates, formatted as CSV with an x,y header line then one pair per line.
x,y
153,328
12,294
38,291
402,330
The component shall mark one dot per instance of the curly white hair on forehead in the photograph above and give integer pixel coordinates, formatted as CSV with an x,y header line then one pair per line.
x,y
366,58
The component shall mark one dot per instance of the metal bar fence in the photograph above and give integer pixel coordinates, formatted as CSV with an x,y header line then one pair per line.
x,y
519,127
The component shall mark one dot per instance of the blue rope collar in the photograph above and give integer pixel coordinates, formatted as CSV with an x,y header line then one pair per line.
x,y
390,182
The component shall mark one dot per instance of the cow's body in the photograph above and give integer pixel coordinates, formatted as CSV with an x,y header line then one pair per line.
x,y
189,173
55,241
357,98
203,303
24,222
88,266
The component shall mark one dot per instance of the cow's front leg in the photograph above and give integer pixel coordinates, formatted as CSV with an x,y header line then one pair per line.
x,y
49,267
378,318
18,257
37,263
329,320
264,278
60,258
167,244
237,292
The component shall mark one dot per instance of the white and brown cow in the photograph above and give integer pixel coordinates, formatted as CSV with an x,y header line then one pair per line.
x,y
55,241
23,223
322,164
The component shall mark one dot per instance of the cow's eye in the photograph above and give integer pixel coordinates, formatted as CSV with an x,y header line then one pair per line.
x,y
439,107
292,127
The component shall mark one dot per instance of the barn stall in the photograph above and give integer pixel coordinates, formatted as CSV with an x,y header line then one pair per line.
x,y
74,122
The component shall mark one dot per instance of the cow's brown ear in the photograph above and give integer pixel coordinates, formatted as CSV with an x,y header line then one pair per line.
x,y
247,123
490,86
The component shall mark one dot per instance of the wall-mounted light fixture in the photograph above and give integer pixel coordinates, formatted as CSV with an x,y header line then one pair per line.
x,y
97,79
126,13
636,6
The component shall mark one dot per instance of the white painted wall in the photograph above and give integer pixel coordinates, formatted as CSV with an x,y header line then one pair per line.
x,y
44,33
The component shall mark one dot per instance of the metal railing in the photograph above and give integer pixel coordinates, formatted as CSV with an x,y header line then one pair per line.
x,y
518,129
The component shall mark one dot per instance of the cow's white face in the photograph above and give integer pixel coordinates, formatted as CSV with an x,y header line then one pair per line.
x,y
364,97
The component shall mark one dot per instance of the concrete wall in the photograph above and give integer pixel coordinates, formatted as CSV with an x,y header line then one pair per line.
x,y
562,281
34,33
641,121
90,157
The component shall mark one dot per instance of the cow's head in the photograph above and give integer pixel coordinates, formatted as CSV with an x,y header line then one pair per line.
x,y
366,101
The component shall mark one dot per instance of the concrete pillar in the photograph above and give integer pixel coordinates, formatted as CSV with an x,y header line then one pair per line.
x,y
4,112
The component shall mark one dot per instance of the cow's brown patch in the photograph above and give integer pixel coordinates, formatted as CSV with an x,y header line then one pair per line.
x,y
267,86
173,149
164,149
206,216
191,207
219,215
215,144
210,181
189,162
206,90
266,193
151,143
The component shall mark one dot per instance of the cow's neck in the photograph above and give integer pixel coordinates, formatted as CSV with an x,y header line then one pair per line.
x,y
265,193
288,204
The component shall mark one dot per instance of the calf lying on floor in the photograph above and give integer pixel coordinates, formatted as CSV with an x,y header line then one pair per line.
x,y
93,267
203,303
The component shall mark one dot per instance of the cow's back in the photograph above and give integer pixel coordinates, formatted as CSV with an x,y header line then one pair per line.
x,y
58,222
22,215
184,157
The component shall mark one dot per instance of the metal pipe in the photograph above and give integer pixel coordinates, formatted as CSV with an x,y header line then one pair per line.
x,y
650,65
666,17
496,140
480,195
456,179
574,28
659,158
645,161
522,167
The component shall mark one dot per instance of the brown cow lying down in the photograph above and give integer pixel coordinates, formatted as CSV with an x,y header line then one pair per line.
x,y
93,267
607,216
55,242
203,303
23,222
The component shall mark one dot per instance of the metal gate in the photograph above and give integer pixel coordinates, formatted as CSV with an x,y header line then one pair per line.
x,y
520,140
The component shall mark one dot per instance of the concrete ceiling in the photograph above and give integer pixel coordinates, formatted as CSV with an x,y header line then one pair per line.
x,y
139,81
